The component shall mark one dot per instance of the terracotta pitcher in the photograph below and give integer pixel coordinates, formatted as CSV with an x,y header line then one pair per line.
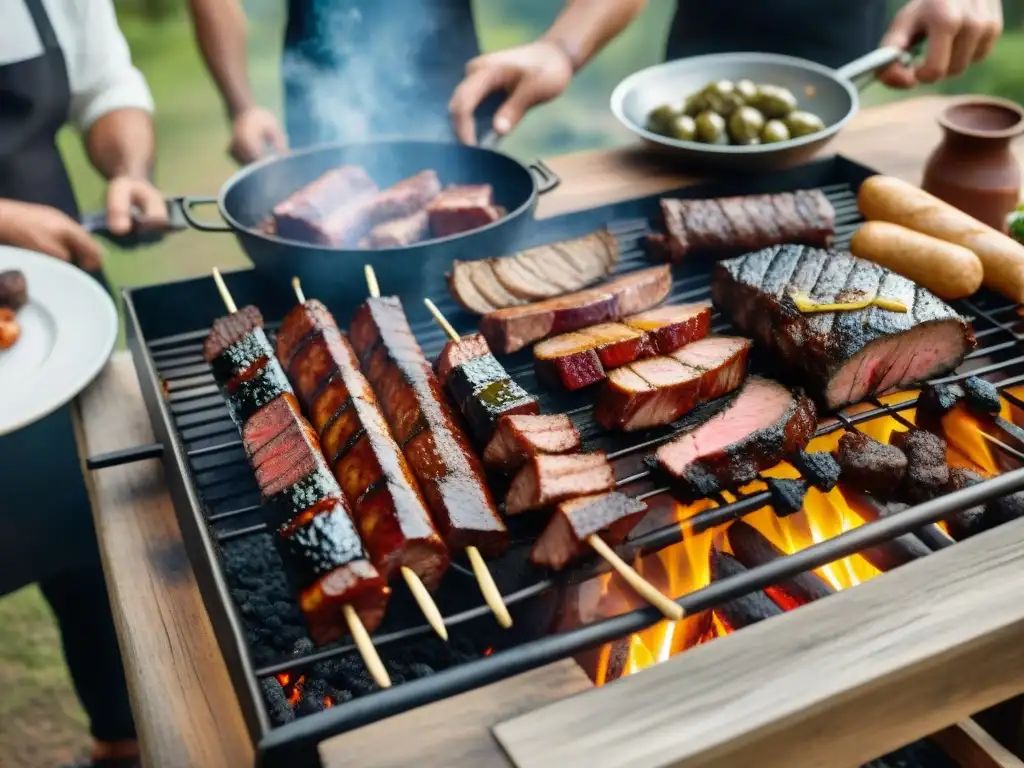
x,y
973,168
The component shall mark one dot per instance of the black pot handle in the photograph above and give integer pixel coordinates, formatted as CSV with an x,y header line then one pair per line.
x,y
95,222
544,177
188,203
125,456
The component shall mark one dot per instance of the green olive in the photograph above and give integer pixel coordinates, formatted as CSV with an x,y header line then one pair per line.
x,y
746,90
683,128
749,142
695,104
773,131
659,120
745,124
710,127
774,102
804,124
721,97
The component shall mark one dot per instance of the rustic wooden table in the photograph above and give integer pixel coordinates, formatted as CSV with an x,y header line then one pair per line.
x,y
187,713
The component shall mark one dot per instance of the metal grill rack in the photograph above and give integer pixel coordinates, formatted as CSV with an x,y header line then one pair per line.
x,y
217,499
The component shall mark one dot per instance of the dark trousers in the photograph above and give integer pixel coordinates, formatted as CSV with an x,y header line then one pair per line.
x,y
47,537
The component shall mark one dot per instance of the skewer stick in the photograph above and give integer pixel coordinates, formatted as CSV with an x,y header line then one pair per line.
x,y
419,590
360,636
371,281
670,608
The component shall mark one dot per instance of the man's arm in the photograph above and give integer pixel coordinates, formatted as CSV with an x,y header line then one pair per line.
x,y
584,27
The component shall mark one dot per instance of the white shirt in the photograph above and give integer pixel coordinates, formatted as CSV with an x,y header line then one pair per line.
x,y
99,65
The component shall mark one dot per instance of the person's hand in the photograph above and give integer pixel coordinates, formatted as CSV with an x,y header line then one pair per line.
x,y
254,131
46,230
531,74
125,193
958,33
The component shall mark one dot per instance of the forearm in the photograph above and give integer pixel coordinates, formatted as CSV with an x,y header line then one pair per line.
x,y
585,26
221,35
122,143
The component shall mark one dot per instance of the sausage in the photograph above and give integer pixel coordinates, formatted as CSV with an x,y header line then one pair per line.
x,y
424,425
375,477
884,198
948,270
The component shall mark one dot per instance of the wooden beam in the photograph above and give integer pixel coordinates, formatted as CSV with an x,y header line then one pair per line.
x,y
970,746
837,682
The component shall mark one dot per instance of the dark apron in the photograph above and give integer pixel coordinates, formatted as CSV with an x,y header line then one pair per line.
x,y
45,522
355,70
830,33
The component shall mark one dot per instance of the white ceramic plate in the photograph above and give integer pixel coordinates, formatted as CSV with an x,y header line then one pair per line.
x,y
68,329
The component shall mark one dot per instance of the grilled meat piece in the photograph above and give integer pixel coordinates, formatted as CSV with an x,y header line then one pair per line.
x,y
673,326
406,197
398,233
764,424
509,330
518,438
579,358
542,272
752,549
842,356
659,390
290,455
609,515
927,471
459,351
251,351
13,289
438,451
484,392
230,330
869,465
547,480
256,387
331,209
737,224
460,208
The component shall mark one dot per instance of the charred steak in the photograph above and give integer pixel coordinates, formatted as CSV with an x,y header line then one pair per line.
x,y
13,289
842,357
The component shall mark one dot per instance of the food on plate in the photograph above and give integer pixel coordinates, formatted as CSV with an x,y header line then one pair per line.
x,y
841,357
579,358
546,480
802,123
422,422
659,390
537,273
948,270
927,470
711,128
884,198
386,503
13,289
764,424
460,208
304,506
869,465
521,437
609,515
509,330
737,224
774,131
397,233
674,325
10,331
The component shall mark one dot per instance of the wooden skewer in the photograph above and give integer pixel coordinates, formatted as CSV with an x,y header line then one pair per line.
x,y
644,588
419,591
360,636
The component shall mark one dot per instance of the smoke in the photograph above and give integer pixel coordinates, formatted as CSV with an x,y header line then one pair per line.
x,y
365,74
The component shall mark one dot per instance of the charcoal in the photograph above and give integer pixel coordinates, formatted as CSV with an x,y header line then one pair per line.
x,y
982,396
1005,509
820,468
278,708
962,525
934,402
312,699
870,466
899,551
787,495
927,471
752,549
742,611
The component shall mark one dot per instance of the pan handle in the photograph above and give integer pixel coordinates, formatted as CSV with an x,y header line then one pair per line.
x,y
188,203
544,177
870,63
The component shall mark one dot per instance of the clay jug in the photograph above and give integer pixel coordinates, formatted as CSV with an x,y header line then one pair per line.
x,y
973,167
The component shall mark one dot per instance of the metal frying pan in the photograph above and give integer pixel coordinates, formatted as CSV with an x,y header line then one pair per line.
x,y
829,93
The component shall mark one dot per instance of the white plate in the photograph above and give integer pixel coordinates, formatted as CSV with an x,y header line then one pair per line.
x,y
68,330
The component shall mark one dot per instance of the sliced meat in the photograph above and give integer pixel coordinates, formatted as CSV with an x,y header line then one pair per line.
x,y
246,396
518,438
459,351
488,285
547,480
13,289
574,360
230,330
673,326
763,425
736,224
406,197
609,515
871,466
462,208
464,290
659,390
287,458
927,471
268,423
845,356
521,281
306,215
484,392
398,233
509,330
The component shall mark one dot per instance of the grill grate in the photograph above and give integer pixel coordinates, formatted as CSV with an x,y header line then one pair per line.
x,y
223,494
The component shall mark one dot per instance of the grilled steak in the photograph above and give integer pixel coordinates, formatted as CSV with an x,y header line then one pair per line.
x,y
610,515
752,549
398,233
842,356
927,471
659,390
509,330
13,289
406,197
764,424
325,210
459,351
547,480
673,326
229,330
484,392
255,388
871,466
574,360
537,273
737,224
518,438
462,208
